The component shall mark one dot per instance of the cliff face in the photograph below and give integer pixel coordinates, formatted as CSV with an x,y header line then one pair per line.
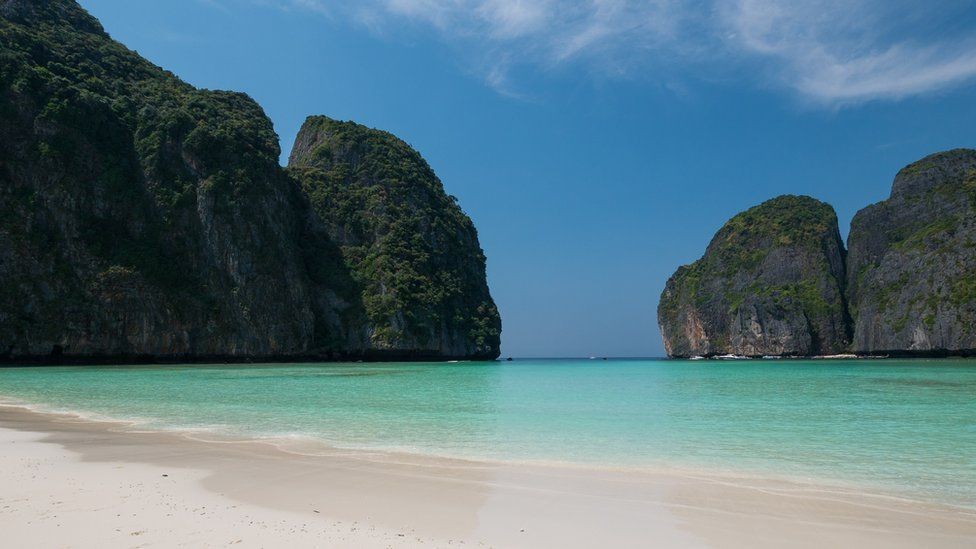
x,y
773,279
145,217
912,261
770,283
413,252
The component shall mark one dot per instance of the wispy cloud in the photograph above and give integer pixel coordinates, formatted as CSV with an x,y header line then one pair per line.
x,y
831,52
836,51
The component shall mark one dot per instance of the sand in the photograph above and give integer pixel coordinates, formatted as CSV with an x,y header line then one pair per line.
x,y
70,482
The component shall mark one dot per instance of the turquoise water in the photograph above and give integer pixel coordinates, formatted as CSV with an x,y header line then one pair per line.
x,y
907,427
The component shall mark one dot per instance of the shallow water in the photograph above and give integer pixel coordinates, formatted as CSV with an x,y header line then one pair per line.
x,y
906,427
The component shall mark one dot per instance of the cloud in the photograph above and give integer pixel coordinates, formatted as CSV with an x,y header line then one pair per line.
x,y
494,19
843,52
503,37
830,52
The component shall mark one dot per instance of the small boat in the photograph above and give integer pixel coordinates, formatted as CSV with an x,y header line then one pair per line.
x,y
696,357
732,357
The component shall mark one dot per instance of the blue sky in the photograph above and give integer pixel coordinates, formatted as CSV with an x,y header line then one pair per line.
x,y
597,144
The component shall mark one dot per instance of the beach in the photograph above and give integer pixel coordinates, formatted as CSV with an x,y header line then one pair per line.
x,y
487,273
73,482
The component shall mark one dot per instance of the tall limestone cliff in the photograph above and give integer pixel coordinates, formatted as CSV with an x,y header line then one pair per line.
x,y
770,283
912,261
408,244
146,218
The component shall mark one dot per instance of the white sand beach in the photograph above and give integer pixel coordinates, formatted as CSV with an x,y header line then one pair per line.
x,y
77,483
69,482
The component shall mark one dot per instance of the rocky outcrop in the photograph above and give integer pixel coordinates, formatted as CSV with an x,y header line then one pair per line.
x,y
144,218
775,280
407,243
770,283
912,261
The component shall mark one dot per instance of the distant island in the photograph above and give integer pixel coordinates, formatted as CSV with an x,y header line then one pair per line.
x,y
145,219
776,280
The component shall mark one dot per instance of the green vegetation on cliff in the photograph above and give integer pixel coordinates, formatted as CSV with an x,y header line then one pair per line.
x,y
746,240
912,259
770,282
407,242
146,217
773,278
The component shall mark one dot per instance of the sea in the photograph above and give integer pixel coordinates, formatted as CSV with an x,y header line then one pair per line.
x,y
905,428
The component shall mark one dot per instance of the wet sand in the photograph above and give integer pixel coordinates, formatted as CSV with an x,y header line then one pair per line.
x,y
71,482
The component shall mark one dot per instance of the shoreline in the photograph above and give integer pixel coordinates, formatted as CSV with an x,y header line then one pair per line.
x,y
440,501
31,361
880,355
304,446
45,361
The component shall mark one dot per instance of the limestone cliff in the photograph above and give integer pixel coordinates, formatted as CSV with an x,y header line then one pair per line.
x,y
770,283
144,218
912,261
408,244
